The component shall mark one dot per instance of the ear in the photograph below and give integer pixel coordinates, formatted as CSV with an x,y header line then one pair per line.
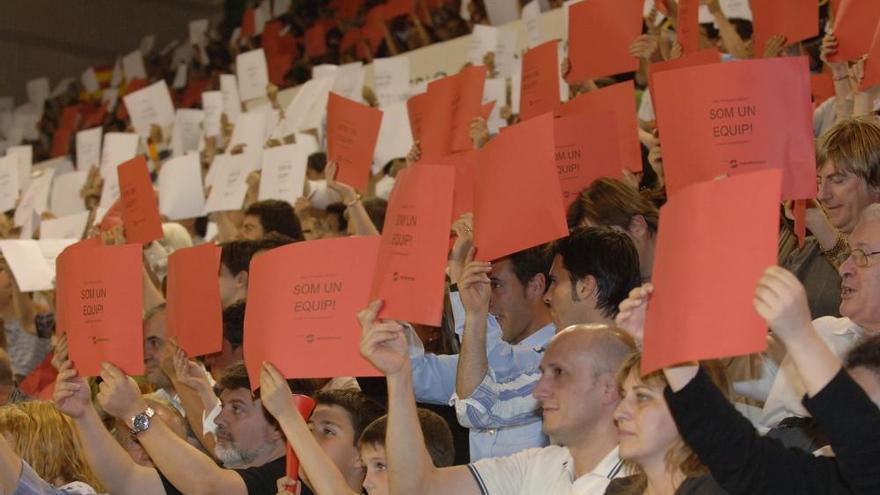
x,y
536,287
241,279
638,227
607,383
586,287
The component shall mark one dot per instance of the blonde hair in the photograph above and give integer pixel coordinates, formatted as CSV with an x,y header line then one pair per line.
x,y
680,456
854,146
48,441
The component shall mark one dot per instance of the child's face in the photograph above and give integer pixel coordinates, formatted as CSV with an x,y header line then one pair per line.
x,y
373,457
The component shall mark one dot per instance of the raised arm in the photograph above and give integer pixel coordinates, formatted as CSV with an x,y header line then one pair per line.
x,y
191,383
188,469
474,289
111,463
352,200
323,475
410,468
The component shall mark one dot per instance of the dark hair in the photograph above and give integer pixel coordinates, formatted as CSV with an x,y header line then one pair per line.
x,y
612,202
606,254
438,436
271,241
376,209
236,255
233,324
338,209
277,216
362,409
317,162
866,354
530,262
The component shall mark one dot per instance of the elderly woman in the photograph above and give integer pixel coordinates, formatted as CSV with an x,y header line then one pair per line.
x,y
40,453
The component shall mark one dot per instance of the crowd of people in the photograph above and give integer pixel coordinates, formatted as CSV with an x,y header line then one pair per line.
x,y
533,382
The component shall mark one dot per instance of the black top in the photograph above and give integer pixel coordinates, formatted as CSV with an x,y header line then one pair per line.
x,y
260,480
702,485
743,462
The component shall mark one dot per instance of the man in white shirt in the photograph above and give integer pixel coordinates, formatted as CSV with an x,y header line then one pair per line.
x,y
577,391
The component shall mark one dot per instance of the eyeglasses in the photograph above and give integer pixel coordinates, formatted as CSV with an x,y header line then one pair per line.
x,y
860,257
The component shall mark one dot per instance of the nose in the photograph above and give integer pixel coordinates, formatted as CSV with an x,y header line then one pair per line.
x,y
621,412
547,296
848,267
542,389
220,420
824,193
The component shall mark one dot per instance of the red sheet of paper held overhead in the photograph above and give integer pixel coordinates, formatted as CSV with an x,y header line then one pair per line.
x,y
619,99
518,201
586,149
539,91
854,26
708,262
140,209
797,20
303,299
755,115
102,292
411,268
194,313
611,25
352,131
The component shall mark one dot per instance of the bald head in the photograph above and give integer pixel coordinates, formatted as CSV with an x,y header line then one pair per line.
x,y
604,345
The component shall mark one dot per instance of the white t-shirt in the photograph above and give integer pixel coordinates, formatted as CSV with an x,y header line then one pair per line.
x,y
546,470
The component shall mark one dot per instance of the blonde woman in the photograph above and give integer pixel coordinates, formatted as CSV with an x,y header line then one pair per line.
x,y
659,461
40,453
17,312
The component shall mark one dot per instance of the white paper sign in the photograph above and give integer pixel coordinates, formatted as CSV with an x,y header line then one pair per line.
x,y
88,148
253,74
181,194
25,156
27,117
495,90
90,81
62,87
66,199
284,172
280,7
307,107
26,261
38,90
531,16
231,101
66,227
391,80
198,32
502,42
179,77
116,76
501,12
250,130
395,136
51,248
8,182
349,81
229,184
212,105
109,96
118,147
133,66
35,198
187,132
148,106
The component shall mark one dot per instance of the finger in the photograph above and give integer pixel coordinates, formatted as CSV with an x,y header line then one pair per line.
x,y
368,315
469,258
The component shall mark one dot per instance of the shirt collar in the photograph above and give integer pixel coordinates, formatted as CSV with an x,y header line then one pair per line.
x,y
540,338
850,328
609,467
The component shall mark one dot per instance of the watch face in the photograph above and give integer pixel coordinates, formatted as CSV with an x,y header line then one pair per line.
x,y
140,423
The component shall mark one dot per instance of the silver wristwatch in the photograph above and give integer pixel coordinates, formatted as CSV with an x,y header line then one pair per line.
x,y
141,422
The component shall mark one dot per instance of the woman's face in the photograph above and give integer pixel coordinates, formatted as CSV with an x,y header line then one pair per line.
x,y
376,480
644,423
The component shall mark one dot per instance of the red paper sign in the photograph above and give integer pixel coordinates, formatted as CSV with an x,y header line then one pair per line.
x,y
467,90
411,269
140,210
518,202
194,313
797,20
248,24
688,26
822,87
316,41
619,99
539,91
755,115
465,166
62,321
708,262
61,142
586,149
352,131
702,57
600,33
872,64
430,118
305,405
486,110
102,293
396,8
854,26
302,302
